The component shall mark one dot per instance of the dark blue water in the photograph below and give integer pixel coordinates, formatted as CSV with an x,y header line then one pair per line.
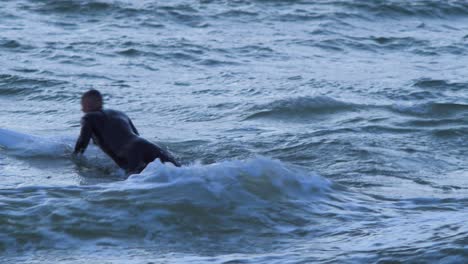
x,y
311,131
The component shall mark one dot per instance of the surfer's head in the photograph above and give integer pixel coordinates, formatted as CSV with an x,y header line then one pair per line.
x,y
91,101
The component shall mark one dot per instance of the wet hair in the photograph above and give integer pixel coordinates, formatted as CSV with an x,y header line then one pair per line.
x,y
93,94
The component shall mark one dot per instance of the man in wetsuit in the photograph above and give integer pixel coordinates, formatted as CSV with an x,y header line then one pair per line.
x,y
115,134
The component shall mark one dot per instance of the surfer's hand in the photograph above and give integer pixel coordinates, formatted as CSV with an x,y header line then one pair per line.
x,y
76,155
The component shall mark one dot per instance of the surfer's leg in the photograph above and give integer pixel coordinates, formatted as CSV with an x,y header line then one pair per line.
x,y
152,152
143,152
134,156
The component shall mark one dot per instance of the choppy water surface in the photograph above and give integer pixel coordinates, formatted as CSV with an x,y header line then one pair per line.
x,y
312,131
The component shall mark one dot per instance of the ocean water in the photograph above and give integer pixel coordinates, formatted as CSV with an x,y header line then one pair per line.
x,y
328,131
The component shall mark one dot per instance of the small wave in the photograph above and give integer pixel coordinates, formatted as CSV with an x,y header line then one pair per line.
x,y
380,130
131,52
333,44
399,42
256,51
171,49
417,96
13,45
421,123
175,56
432,109
20,85
179,8
450,204
237,13
190,20
370,44
378,44
217,62
456,131
301,15
71,6
424,8
300,107
183,14
428,83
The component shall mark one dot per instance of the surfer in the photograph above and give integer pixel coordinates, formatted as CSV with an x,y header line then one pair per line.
x,y
115,134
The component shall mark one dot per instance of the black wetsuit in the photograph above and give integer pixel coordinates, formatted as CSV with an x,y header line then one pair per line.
x,y
115,134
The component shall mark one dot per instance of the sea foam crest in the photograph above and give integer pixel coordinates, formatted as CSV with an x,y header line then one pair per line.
x,y
259,177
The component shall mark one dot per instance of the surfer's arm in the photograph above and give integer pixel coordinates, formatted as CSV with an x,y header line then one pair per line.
x,y
85,136
133,127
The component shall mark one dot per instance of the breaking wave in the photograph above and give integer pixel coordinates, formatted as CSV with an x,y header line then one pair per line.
x,y
231,196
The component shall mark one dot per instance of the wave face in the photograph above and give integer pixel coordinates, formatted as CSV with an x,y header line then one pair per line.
x,y
327,131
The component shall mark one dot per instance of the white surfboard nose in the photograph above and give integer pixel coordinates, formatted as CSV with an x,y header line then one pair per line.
x,y
11,139
29,145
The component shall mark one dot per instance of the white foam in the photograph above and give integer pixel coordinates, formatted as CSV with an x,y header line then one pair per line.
x,y
260,177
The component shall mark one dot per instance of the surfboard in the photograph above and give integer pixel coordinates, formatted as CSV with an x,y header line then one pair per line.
x,y
30,145
11,139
